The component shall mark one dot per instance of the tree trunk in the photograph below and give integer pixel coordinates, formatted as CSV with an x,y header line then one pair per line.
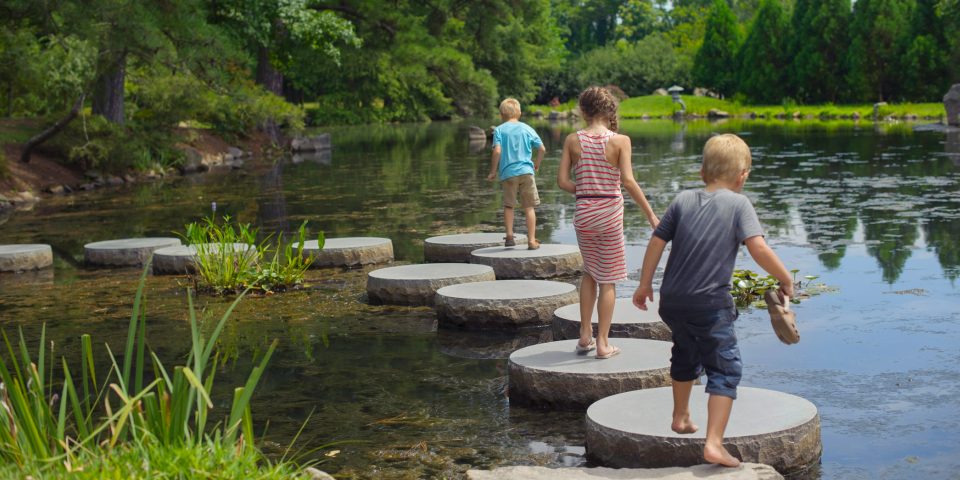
x,y
109,95
267,76
53,130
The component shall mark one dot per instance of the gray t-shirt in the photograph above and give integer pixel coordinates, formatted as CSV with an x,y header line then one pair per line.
x,y
706,229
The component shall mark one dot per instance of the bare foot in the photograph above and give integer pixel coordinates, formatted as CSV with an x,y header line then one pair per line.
x,y
683,425
719,455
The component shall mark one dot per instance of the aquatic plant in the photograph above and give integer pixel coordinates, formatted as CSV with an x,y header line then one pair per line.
x,y
229,258
748,287
69,418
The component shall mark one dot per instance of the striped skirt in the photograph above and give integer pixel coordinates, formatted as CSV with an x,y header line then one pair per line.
x,y
599,226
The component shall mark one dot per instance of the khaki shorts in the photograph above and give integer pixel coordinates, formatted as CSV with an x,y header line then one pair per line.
x,y
524,184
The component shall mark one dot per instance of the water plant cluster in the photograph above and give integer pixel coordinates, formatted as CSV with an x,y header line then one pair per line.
x,y
748,287
139,419
230,259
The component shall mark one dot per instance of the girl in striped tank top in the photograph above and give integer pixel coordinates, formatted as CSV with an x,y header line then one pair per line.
x,y
600,161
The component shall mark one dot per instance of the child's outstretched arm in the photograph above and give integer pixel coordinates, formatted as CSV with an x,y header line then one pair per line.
x,y
536,163
651,259
629,182
770,262
494,163
566,163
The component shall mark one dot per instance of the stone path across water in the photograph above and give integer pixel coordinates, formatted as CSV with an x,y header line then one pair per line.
x,y
502,304
550,260
632,430
552,374
418,284
23,257
457,247
747,471
349,251
127,252
628,322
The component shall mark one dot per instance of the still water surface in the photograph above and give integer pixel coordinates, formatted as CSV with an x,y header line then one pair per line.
x,y
875,213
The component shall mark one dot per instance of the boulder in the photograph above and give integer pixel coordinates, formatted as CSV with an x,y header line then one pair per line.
x,y
714,113
477,134
661,91
310,144
192,160
951,102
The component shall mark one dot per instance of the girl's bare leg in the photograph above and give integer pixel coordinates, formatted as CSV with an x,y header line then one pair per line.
x,y
605,304
588,299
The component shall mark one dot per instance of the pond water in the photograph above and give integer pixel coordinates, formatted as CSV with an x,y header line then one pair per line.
x,y
874,212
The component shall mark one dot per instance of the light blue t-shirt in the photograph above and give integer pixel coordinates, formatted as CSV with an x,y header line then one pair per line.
x,y
517,142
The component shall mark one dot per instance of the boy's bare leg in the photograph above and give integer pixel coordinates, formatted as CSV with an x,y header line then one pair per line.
x,y
681,407
508,220
718,413
605,303
588,299
531,216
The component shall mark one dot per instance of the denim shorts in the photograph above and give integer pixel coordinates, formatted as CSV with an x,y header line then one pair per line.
x,y
704,341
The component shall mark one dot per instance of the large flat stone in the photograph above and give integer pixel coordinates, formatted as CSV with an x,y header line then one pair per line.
x,y
457,248
418,284
632,430
502,304
182,259
549,261
128,252
20,258
628,322
349,251
746,471
553,375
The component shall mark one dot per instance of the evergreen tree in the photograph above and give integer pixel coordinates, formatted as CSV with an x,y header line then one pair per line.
x,y
878,32
819,35
926,63
763,57
715,66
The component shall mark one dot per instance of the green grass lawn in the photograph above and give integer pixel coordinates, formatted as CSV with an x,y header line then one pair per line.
x,y
663,106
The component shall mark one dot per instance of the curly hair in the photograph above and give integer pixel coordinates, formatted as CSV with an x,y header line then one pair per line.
x,y
598,102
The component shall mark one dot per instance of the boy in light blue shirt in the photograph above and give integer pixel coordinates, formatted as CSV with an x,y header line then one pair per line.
x,y
512,162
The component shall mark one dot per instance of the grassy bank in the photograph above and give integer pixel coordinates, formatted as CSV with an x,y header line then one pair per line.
x,y
655,106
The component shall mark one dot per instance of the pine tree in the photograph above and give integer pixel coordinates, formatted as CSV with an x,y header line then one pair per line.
x,y
878,32
763,57
926,66
819,35
715,66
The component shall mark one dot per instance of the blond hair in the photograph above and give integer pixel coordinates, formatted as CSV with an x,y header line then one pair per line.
x,y
725,157
510,108
598,102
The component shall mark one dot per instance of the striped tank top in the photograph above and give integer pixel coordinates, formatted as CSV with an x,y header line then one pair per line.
x,y
598,220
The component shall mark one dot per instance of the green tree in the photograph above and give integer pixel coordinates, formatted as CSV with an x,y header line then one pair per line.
x,y
715,65
763,58
588,24
926,65
878,32
638,18
817,47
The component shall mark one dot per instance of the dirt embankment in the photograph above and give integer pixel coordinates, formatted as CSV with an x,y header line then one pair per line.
x,y
48,175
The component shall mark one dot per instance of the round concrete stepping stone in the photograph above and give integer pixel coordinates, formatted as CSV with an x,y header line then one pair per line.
x,y
550,260
19,258
632,430
554,375
502,304
182,259
488,345
457,248
418,284
628,322
127,252
349,251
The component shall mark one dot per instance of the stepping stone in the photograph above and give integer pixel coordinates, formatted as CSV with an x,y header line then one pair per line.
x,y
349,251
550,260
632,430
20,258
457,248
418,284
748,471
628,322
554,375
128,252
182,259
488,345
502,304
